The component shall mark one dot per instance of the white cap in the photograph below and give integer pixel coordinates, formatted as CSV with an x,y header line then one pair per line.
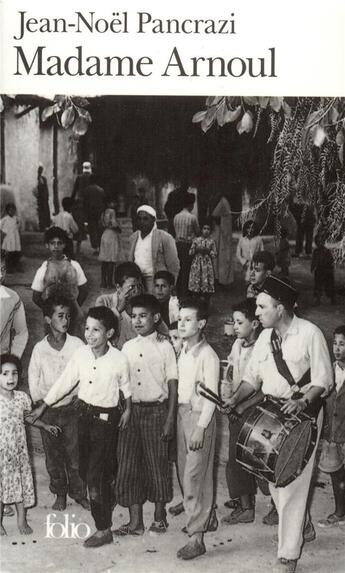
x,y
147,209
87,167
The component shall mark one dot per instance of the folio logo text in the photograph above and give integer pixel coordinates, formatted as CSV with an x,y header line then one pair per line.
x,y
67,529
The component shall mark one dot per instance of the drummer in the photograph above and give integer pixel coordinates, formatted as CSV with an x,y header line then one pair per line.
x,y
289,349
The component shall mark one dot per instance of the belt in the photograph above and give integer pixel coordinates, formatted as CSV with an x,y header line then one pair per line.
x,y
95,411
149,404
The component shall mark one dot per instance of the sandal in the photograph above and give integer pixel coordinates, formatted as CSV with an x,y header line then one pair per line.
x,y
159,526
331,521
124,530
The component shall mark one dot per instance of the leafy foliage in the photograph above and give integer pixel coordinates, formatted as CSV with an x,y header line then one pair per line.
x,y
307,136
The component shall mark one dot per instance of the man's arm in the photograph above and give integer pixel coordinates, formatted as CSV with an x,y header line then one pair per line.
x,y
21,332
34,373
37,298
170,254
83,292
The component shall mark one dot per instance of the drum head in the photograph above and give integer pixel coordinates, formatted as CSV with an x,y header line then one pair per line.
x,y
295,453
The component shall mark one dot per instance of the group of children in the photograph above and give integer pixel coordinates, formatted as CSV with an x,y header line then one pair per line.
x,y
110,409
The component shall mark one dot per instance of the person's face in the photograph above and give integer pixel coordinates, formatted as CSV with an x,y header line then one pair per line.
x,y
339,347
131,287
11,211
258,273
250,231
96,334
145,222
8,377
56,247
206,231
162,289
175,340
2,271
267,310
60,319
243,327
188,323
143,320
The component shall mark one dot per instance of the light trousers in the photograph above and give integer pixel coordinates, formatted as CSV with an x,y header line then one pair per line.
x,y
291,503
195,470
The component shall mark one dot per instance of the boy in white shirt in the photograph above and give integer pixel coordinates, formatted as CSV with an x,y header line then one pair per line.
x,y
101,371
48,360
196,424
144,471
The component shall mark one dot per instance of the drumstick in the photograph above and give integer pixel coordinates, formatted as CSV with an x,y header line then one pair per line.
x,y
210,392
210,398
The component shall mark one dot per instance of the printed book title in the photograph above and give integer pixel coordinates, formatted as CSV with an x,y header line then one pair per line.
x,y
38,61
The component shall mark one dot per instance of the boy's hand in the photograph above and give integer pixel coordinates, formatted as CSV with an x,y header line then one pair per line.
x,y
197,439
124,419
168,430
36,413
53,430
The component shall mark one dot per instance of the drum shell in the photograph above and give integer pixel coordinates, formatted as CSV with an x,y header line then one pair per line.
x,y
276,446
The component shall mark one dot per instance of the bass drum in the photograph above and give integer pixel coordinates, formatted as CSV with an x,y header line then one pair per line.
x,y
274,445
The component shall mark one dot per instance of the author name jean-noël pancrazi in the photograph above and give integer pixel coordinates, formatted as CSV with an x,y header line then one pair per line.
x,y
122,23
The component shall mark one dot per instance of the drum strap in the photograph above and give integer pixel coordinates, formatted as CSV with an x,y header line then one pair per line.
x,y
283,369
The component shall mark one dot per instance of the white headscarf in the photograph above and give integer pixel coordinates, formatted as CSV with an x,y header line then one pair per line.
x,y
147,209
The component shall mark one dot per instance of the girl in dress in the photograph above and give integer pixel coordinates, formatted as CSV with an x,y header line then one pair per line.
x,y
16,483
249,244
9,226
204,251
110,249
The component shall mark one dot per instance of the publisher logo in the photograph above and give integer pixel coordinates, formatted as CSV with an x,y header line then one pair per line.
x,y
66,529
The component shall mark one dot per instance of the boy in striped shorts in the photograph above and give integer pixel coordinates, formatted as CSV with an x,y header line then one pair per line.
x,y
144,469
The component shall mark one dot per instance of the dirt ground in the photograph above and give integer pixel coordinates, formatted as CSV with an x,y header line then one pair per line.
x,y
241,548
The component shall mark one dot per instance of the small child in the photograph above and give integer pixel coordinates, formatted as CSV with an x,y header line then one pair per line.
x,y
241,484
129,283
204,252
48,360
59,274
283,257
333,454
64,219
110,248
16,482
249,244
196,424
100,371
322,265
262,266
163,288
144,469
9,226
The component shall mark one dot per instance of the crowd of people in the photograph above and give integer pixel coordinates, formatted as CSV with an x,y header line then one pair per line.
x,y
132,388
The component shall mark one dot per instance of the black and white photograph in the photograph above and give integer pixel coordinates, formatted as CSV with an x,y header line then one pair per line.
x,y
172,333
172,287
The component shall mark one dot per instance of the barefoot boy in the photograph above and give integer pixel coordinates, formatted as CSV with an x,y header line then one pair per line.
x,y
101,371
48,360
196,424
144,467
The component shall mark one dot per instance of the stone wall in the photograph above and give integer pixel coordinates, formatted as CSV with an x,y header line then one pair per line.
x,y
27,144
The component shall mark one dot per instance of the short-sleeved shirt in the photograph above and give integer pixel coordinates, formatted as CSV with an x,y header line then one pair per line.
x,y
152,364
38,282
303,347
239,359
199,364
47,364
